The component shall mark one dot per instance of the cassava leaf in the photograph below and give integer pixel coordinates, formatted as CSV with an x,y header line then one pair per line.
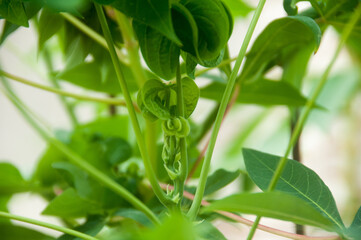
x,y
134,214
220,179
63,206
261,92
278,41
277,205
14,11
296,179
160,53
206,231
155,13
49,24
11,180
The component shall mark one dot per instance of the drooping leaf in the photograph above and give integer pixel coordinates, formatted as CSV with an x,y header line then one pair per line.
x,y
190,95
11,180
14,11
277,205
64,206
134,214
278,41
261,92
160,53
155,13
354,231
91,227
49,24
13,232
296,179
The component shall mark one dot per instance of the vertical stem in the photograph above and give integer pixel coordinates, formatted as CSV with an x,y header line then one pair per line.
x,y
141,144
301,121
225,99
182,141
132,47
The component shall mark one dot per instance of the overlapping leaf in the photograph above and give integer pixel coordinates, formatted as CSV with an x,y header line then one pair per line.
x,y
296,179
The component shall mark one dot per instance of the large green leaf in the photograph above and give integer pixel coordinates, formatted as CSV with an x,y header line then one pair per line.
x,y
155,13
14,11
13,232
261,92
277,205
49,24
70,205
296,179
160,53
11,180
278,41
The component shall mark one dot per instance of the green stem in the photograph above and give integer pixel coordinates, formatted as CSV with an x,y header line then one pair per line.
x,y
62,92
141,144
79,161
225,99
68,108
132,47
47,225
92,34
182,141
310,104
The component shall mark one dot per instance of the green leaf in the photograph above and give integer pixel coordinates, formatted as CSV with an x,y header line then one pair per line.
x,y
134,214
70,6
13,232
201,36
280,40
354,231
49,24
117,150
261,92
155,13
190,95
296,179
97,76
277,205
64,206
220,179
92,226
14,11
206,231
238,8
160,53
11,180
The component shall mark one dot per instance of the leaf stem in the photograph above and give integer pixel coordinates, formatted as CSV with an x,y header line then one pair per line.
x,y
141,144
78,160
310,104
47,225
225,99
62,92
92,34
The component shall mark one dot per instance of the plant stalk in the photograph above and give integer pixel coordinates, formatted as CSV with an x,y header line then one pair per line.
x,y
141,143
47,225
310,104
222,109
